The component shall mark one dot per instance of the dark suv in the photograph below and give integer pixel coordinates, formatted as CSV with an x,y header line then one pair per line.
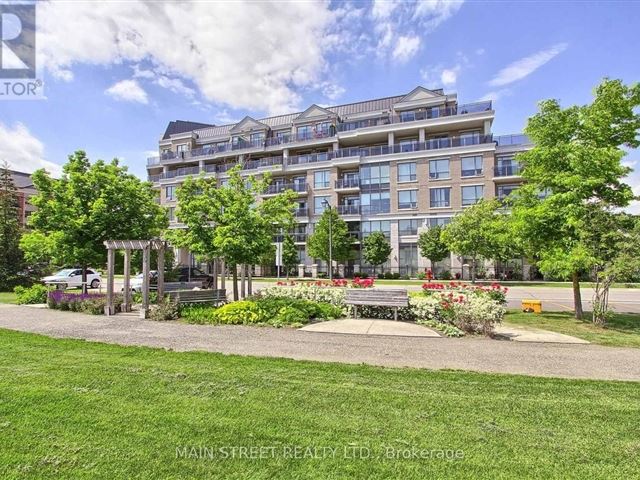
x,y
193,274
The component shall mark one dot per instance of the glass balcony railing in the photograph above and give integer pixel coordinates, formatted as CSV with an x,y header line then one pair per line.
x,y
309,158
262,162
507,170
301,212
350,182
416,116
181,172
349,209
515,139
299,187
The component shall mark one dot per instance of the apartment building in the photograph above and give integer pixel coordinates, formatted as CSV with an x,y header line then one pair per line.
x,y
395,164
26,189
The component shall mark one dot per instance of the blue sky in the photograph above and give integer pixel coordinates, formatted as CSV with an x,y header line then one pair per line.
x,y
116,72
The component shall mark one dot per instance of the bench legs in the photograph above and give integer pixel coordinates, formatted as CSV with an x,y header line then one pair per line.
x,y
355,311
395,313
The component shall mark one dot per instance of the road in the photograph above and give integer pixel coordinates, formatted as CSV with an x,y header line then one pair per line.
x,y
554,299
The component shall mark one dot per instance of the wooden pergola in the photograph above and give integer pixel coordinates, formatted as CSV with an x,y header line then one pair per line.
x,y
128,245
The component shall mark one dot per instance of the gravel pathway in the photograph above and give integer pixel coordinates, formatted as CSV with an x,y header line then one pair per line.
x,y
477,354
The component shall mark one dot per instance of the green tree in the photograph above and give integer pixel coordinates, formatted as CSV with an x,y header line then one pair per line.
x,y
89,204
341,242
431,245
478,232
576,162
11,258
289,254
376,249
228,222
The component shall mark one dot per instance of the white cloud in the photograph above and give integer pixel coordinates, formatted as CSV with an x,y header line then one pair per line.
x,y
495,95
175,85
332,91
256,57
23,151
128,91
449,76
406,47
526,66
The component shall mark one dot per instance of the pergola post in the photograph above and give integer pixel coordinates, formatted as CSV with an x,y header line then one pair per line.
x,y
146,258
161,273
243,271
109,309
126,304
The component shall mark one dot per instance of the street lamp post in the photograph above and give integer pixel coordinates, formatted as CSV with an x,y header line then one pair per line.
x,y
328,207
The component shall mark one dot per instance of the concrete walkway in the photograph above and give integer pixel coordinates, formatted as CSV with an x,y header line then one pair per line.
x,y
476,354
363,326
529,334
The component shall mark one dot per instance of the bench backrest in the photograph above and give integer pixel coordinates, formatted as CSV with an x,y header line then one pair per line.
x,y
377,296
173,286
187,296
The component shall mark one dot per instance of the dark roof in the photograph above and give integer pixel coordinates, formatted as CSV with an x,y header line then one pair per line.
x,y
180,126
21,179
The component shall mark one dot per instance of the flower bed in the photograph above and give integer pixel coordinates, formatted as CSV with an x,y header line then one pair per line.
x,y
92,303
356,282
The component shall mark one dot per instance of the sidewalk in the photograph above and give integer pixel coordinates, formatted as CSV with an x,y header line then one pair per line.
x,y
476,354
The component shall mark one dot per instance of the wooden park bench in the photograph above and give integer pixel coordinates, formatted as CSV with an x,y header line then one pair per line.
x,y
175,286
214,297
377,296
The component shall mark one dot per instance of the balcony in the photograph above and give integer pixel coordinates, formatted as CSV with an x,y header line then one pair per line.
x,y
299,237
512,170
182,172
224,167
154,178
349,209
375,209
300,187
301,212
416,116
347,183
309,158
510,140
262,162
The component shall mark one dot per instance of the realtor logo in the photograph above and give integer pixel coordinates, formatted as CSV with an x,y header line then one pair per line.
x,y
18,35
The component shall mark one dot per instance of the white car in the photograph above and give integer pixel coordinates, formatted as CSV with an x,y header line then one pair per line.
x,y
136,282
72,277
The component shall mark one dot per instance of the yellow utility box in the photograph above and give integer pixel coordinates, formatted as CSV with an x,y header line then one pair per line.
x,y
534,306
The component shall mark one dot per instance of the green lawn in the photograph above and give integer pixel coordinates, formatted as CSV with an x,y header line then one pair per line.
x,y
622,331
73,409
7,297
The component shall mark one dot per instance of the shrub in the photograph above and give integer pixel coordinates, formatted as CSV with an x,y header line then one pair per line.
x,y
31,295
301,291
197,314
163,311
238,313
445,328
426,308
92,303
446,275
421,275
478,314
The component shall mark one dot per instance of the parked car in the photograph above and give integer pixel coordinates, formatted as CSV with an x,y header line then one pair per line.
x,y
136,282
72,278
193,274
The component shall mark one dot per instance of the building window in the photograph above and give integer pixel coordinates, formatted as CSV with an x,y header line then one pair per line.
x,y
408,227
439,168
440,221
383,226
182,148
504,191
304,132
321,179
407,172
408,258
257,137
471,166
469,138
507,167
170,192
282,134
171,212
407,116
377,202
408,145
440,197
471,194
374,174
320,204
407,199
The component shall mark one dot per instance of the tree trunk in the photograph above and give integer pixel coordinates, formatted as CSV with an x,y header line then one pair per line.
x,y
577,297
234,268
84,279
473,270
243,277
249,281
